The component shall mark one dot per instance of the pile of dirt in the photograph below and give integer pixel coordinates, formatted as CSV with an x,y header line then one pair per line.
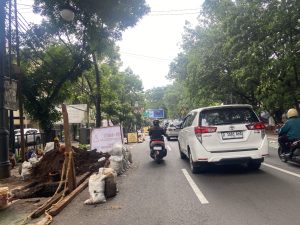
x,y
52,161
87,161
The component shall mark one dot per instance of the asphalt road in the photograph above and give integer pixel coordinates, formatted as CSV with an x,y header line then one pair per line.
x,y
168,193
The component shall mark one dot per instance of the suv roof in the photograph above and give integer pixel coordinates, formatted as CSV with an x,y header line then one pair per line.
x,y
223,106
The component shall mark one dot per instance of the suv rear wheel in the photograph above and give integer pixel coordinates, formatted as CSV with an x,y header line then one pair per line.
x,y
194,169
281,155
198,168
182,155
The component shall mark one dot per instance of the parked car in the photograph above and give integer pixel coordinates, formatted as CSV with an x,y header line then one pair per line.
x,y
31,136
226,134
172,130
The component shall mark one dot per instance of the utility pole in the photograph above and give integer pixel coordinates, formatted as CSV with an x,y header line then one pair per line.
x,y
21,113
4,160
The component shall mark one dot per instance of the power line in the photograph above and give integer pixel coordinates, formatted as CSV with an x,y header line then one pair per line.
x,y
171,12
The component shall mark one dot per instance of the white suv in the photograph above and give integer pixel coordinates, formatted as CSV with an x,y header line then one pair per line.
x,y
31,135
226,134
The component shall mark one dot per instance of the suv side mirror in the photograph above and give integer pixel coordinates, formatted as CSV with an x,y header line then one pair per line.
x,y
179,126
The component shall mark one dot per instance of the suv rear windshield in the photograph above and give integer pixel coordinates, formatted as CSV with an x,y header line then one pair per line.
x,y
222,116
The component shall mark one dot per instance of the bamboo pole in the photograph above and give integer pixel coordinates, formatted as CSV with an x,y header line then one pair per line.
x,y
70,175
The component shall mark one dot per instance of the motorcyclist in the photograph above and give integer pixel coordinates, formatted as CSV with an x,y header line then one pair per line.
x,y
290,132
156,132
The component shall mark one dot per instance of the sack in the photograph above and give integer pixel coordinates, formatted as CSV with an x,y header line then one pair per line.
x,y
34,161
116,150
26,170
49,147
96,189
116,163
110,187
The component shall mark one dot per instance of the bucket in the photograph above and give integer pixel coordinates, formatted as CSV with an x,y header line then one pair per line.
x,y
3,197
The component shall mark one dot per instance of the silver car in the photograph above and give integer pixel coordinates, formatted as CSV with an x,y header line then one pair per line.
x,y
172,130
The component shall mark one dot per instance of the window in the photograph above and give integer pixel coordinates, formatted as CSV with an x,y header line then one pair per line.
x,y
189,119
224,116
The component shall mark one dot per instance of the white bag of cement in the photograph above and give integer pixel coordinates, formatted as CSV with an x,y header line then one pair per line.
x,y
26,170
96,189
116,163
116,149
34,160
127,154
107,171
49,146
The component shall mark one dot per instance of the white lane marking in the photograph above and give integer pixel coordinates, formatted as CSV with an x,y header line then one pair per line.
x,y
195,188
282,170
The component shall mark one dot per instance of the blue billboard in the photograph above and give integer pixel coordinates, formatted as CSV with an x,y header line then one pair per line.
x,y
155,113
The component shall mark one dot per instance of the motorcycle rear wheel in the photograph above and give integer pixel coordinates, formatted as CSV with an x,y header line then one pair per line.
x,y
281,155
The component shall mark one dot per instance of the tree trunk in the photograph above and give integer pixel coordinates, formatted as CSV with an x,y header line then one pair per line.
x,y
98,94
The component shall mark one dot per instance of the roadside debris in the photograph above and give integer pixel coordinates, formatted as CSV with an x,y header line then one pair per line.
x,y
103,184
3,197
120,158
98,184
45,171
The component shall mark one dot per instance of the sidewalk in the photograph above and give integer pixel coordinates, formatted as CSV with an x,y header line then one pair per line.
x,y
19,209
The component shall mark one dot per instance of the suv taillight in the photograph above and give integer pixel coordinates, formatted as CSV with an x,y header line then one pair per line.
x,y
256,126
203,130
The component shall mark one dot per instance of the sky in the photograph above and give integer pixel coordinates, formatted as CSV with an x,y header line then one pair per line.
x,y
149,47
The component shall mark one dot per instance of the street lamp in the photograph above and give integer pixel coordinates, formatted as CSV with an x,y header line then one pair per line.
x,y
67,13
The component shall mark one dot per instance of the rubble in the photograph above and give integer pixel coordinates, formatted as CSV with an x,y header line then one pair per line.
x,y
45,173
52,161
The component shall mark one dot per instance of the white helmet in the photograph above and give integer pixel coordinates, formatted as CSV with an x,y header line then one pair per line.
x,y
292,113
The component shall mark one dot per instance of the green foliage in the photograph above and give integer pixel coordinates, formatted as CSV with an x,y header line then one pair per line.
x,y
119,91
242,52
45,85
56,54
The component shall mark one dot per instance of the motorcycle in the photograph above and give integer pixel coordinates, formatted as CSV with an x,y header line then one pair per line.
x,y
157,150
284,157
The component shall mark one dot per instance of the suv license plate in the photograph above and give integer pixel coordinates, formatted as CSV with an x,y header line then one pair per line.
x,y
232,135
157,148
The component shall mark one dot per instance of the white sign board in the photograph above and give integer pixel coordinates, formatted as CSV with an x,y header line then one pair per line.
x,y
104,138
77,113
10,95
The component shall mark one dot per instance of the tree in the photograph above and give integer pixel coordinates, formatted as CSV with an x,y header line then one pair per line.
x,y
45,84
101,23
242,52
